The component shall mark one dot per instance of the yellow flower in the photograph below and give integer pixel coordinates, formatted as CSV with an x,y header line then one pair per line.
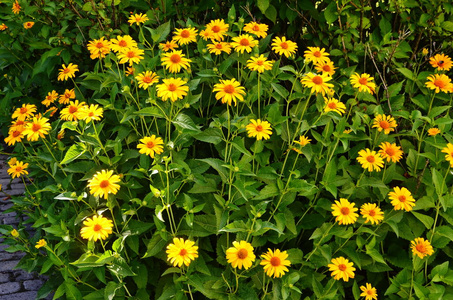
x,y
147,79
318,83
259,129
325,67
41,243
97,228
363,82
243,42
103,183
67,96
259,64
368,292
14,233
72,111
425,51
3,27
439,82
316,55
421,247
19,168
334,105
181,252
402,199
341,268
207,34
151,145
18,125
371,213
344,212
168,45
24,112
218,47
275,263
370,160
16,7
38,127
174,61
441,62
433,131
391,152
51,111
137,19
218,28
99,48
12,161
173,89
303,141
91,113
386,123
122,43
131,56
240,255
229,91
67,72
260,30
184,36
50,98
449,153
129,71
29,24
14,136
282,46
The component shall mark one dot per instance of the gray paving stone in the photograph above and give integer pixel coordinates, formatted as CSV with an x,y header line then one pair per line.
x,y
22,275
10,221
8,265
32,285
11,256
5,277
20,296
9,288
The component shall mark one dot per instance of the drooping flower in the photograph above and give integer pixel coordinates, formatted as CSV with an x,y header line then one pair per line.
x,y
433,131
218,47
303,141
24,112
425,51
50,111
16,7
67,96
368,291
3,27
14,136
441,61
207,34
372,213
363,82
439,82
391,152
421,247
103,183
332,104
14,232
282,46
275,263
29,24
316,55
370,160
260,30
181,252
72,111
218,28
259,64
341,268
318,83
38,127
12,161
91,113
174,61
240,255
50,98
244,42
130,71
99,48
122,43
402,199
137,19
151,145
17,169
67,72
131,56
147,79
344,212
168,45
41,243
18,125
259,129
96,228
448,150
326,67
173,89
229,91
184,36
384,123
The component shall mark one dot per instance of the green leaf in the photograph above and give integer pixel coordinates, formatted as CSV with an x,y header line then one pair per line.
x,y
263,5
74,152
438,181
72,292
426,220
217,164
271,13
210,135
447,25
150,112
185,122
407,73
331,13
110,290
155,245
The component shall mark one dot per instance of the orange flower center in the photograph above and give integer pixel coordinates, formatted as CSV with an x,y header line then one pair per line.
x,y
36,127
185,33
215,28
97,227
244,42
16,133
66,71
218,46
370,159
49,98
150,145
439,83
372,213
90,114
256,28
19,123
99,45
420,248
175,58
342,267
363,81
23,110
370,292
146,79
67,95
344,211
72,109
440,63
326,68
284,45
384,124
229,89
183,252
317,80
259,128
260,62
332,105
242,253
402,198
317,54
172,87
275,261
18,169
104,184
122,43
131,54
390,151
